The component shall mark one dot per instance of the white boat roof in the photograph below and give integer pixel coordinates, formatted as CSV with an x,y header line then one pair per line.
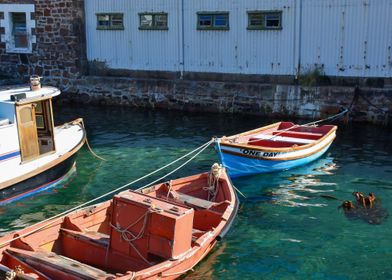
x,y
5,95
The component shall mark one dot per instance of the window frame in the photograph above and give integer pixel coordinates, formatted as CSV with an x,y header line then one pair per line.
x,y
18,34
213,19
110,26
154,26
263,15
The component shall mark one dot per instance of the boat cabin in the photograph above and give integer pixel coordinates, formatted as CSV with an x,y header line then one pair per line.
x,y
26,123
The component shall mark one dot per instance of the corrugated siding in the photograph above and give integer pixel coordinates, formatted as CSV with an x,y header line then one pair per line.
x,y
132,48
344,37
239,50
347,37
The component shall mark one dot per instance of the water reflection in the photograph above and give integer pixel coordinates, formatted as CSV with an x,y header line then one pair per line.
x,y
207,268
302,188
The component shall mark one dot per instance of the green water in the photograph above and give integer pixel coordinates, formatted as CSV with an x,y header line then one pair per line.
x,y
288,227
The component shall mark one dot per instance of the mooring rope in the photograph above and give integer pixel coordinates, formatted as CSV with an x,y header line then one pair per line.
x,y
88,144
53,219
80,121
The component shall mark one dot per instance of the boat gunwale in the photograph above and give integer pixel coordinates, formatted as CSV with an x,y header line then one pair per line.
x,y
223,141
48,165
169,266
282,158
223,226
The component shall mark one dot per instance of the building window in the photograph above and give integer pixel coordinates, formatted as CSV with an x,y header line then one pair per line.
x,y
19,30
265,20
213,21
110,21
153,21
18,25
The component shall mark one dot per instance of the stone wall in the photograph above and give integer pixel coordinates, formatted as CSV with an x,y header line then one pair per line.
x,y
282,101
59,53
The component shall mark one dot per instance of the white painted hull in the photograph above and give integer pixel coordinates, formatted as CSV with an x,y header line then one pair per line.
x,y
69,138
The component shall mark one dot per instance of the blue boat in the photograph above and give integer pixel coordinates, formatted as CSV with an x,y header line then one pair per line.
x,y
275,147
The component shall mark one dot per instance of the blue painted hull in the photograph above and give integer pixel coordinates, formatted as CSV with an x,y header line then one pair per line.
x,y
241,166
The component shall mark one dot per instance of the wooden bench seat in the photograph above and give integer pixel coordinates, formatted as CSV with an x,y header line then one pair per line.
x,y
191,201
89,236
298,134
51,263
279,138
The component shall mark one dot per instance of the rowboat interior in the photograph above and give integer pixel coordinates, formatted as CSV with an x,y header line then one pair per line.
x,y
283,135
162,231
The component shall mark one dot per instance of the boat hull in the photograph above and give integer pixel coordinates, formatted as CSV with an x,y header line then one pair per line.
x,y
272,148
172,226
38,183
238,166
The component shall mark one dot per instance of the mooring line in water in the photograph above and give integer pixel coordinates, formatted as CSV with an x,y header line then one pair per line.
x,y
80,121
53,219
88,144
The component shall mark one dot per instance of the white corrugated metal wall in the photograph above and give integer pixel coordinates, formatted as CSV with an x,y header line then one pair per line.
x,y
239,50
347,37
132,48
344,37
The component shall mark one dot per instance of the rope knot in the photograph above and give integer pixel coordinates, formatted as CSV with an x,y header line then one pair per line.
x,y
213,181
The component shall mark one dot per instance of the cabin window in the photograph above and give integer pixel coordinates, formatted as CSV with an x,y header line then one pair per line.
x,y
112,21
153,21
39,116
213,21
265,20
18,23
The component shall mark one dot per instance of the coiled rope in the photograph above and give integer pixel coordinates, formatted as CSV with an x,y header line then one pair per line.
x,y
129,237
213,181
53,219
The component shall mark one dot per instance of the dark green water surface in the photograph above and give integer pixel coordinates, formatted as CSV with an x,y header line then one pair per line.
x,y
288,227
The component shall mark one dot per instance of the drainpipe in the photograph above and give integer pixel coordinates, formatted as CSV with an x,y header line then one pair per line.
x,y
299,43
182,41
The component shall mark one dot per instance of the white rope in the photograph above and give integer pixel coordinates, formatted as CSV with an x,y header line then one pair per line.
x,y
176,169
130,237
60,215
10,275
213,181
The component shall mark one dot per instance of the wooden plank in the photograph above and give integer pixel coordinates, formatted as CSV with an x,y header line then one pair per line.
x,y
192,201
27,131
58,262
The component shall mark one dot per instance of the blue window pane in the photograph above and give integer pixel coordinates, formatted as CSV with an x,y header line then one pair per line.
x,y
221,21
272,20
205,20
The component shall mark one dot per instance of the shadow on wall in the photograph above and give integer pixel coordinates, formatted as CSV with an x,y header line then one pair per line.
x,y
98,68
7,80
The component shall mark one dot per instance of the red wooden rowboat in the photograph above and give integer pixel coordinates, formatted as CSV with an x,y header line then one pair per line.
x,y
158,233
